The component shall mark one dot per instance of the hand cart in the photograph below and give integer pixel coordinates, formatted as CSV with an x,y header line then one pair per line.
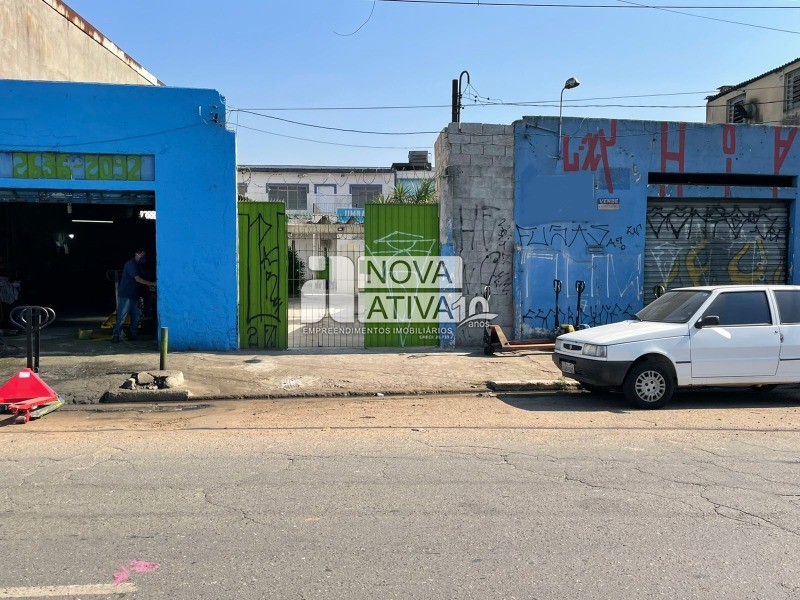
x,y
25,394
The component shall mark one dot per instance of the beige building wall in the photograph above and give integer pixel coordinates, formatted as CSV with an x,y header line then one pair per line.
x,y
46,40
764,96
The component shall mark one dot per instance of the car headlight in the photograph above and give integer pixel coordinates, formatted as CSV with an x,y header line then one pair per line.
x,y
594,350
559,344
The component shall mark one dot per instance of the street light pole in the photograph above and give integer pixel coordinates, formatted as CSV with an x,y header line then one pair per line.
x,y
568,85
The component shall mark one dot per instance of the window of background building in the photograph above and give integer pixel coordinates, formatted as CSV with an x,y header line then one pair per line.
x,y
793,90
295,196
736,115
362,194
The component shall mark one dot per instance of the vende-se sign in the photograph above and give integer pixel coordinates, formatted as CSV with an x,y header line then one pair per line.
x,y
608,204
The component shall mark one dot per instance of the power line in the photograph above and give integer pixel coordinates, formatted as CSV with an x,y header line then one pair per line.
x,y
249,112
604,6
685,14
300,108
519,103
547,133
374,2
292,137
625,4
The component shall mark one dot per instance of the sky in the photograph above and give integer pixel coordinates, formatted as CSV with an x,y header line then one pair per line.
x,y
265,55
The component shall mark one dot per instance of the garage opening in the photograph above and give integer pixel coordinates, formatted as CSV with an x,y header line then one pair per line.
x,y
62,249
711,242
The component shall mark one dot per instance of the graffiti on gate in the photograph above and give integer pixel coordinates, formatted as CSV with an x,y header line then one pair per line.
x,y
730,244
263,255
706,264
715,222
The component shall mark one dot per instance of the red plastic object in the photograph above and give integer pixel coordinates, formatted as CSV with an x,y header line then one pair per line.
x,y
26,385
26,392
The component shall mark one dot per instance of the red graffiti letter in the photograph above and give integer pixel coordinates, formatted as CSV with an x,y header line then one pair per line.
x,y
782,148
667,155
570,164
729,139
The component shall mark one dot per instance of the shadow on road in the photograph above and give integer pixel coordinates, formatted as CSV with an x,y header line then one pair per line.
x,y
712,398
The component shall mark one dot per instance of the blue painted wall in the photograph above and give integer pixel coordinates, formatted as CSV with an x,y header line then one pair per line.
x,y
195,184
562,234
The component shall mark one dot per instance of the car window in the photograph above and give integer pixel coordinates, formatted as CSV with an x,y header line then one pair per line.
x,y
788,305
674,307
741,308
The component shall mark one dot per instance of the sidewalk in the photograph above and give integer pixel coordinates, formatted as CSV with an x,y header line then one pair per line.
x,y
82,372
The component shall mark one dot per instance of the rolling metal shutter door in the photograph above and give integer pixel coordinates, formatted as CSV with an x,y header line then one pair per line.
x,y
701,242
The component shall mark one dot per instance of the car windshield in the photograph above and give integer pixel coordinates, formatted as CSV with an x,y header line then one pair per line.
x,y
673,307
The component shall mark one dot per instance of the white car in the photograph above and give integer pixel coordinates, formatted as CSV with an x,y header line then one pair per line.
x,y
704,336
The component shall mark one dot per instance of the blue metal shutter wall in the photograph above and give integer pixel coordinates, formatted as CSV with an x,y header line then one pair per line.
x,y
702,242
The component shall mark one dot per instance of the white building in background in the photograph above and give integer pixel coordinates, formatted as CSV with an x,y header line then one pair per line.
x,y
312,192
325,206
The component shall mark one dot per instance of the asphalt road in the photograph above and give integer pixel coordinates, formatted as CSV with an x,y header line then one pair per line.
x,y
540,496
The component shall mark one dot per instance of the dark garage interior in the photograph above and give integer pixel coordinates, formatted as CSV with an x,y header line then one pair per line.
x,y
64,254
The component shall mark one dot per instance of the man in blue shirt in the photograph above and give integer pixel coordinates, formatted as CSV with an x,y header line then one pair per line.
x,y
128,295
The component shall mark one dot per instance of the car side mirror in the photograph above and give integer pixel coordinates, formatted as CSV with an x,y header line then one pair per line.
x,y
707,321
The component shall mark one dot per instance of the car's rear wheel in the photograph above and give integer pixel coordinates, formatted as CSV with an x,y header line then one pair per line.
x,y
649,384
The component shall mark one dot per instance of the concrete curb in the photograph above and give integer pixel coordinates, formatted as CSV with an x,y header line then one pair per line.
x,y
348,394
122,396
535,385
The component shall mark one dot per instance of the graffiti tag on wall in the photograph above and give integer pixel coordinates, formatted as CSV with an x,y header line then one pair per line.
x,y
597,254
731,244
486,231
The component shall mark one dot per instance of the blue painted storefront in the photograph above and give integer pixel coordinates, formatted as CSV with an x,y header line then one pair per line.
x,y
194,184
581,208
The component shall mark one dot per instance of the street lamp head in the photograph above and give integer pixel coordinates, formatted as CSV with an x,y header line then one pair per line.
x,y
571,83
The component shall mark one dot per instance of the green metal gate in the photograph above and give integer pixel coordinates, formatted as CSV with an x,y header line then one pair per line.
x,y
263,275
401,230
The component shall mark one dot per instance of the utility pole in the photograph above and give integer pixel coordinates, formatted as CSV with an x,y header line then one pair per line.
x,y
455,102
457,94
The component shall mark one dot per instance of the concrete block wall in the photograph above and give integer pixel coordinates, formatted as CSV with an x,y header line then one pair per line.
x,y
475,182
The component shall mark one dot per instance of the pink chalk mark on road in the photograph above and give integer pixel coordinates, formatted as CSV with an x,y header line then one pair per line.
x,y
137,566
140,566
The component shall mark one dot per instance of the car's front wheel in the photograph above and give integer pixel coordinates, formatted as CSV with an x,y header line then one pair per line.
x,y
649,384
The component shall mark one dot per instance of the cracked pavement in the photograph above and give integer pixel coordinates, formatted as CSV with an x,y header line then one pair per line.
x,y
537,496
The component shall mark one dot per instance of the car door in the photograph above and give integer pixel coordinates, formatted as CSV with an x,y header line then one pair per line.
x,y
788,302
746,343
